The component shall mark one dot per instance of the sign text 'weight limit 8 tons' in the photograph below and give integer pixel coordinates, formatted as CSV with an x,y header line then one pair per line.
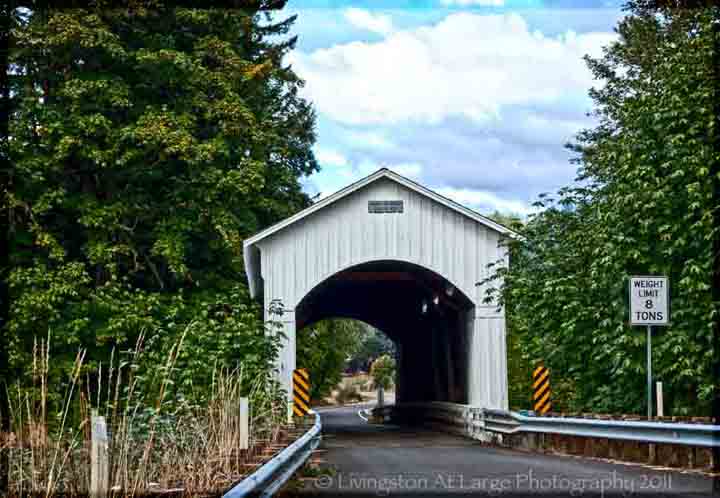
x,y
649,301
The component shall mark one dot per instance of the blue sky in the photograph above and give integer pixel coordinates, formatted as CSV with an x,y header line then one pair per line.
x,y
472,98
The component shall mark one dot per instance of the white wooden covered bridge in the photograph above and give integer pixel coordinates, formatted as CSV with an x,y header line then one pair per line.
x,y
404,259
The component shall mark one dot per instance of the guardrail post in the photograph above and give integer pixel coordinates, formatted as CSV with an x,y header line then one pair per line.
x,y
652,453
244,424
273,474
99,465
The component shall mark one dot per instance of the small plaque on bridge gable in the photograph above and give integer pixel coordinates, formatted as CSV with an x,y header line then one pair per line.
x,y
385,206
649,300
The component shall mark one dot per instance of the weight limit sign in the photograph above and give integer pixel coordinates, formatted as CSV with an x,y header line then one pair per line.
x,y
649,301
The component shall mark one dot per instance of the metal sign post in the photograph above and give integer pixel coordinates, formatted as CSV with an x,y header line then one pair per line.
x,y
649,370
649,305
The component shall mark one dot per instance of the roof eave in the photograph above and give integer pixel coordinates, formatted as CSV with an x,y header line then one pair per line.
x,y
384,172
253,270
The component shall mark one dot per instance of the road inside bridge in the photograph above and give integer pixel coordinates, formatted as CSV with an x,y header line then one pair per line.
x,y
362,459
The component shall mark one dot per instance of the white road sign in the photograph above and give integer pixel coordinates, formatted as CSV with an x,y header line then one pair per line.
x,y
649,301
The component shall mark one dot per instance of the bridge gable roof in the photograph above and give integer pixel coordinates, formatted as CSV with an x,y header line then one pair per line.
x,y
379,174
251,258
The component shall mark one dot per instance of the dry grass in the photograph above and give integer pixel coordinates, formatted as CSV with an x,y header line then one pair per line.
x,y
345,394
362,381
154,447
353,389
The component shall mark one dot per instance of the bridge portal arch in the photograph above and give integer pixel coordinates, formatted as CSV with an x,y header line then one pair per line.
x,y
388,251
425,315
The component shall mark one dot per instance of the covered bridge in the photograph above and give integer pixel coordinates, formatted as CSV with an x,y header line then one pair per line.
x,y
404,259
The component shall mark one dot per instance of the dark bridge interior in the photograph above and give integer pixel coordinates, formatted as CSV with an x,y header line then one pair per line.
x,y
421,311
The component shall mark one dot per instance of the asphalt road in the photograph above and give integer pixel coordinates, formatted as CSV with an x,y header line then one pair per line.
x,y
362,459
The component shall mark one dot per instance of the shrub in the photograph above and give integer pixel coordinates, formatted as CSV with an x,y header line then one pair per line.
x,y
383,371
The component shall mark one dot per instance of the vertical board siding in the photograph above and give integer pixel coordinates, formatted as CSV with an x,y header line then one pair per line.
x,y
296,259
300,257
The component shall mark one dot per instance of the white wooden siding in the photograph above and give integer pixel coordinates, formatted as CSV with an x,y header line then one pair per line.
x,y
301,252
296,259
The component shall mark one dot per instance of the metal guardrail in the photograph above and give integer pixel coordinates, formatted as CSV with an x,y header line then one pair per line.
x,y
269,478
506,422
476,419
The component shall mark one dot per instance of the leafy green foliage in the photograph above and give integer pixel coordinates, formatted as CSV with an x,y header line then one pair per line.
x,y
373,344
383,371
324,349
509,220
518,364
643,204
147,142
222,332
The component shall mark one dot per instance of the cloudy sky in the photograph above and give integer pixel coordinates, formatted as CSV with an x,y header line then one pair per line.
x,y
472,98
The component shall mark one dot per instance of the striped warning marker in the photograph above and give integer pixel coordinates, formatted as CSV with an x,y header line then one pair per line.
x,y
301,392
541,390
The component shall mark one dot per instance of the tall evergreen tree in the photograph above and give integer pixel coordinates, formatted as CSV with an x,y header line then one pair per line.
x,y
146,142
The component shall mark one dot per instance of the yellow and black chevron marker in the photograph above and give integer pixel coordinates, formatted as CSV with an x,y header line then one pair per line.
x,y
301,392
541,390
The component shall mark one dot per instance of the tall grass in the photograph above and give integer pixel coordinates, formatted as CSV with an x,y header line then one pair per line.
x,y
159,442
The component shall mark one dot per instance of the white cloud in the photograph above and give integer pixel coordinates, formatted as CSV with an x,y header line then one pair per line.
x,y
474,106
367,139
342,175
363,19
485,202
480,200
467,65
330,157
411,170
484,3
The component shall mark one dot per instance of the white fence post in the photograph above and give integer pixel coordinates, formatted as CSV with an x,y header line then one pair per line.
x,y
99,465
244,424
659,394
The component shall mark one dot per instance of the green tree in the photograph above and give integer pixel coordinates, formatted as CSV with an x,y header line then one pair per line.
x,y
518,364
510,220
146,142
643,204
383,371
324,349
373,343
